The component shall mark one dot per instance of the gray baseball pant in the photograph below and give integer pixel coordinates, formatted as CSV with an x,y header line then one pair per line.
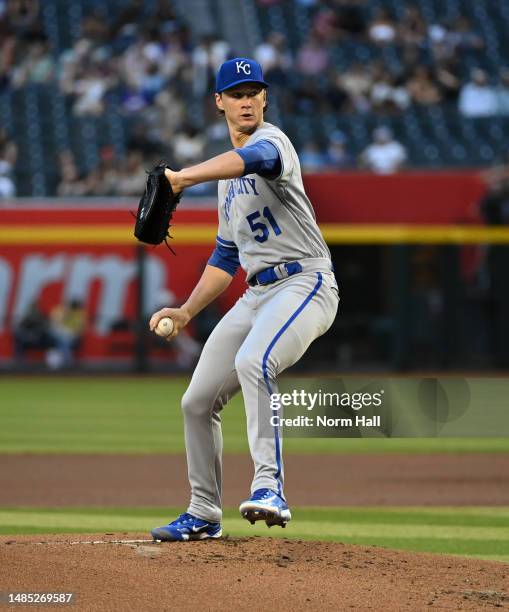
x,y
266,331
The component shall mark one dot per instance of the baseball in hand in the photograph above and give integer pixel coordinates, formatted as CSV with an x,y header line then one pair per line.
x,y
164,327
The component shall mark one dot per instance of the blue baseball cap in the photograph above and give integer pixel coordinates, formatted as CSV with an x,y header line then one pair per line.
x,y
239,70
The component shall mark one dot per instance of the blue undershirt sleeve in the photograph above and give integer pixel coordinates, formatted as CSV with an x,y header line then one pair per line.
x,y
226,258
261,158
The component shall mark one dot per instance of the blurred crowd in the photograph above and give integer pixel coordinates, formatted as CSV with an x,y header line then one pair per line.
x,y
147,68
424,71
58,335
150,68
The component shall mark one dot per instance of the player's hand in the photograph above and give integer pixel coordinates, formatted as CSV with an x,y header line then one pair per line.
x,y
174,179
179,316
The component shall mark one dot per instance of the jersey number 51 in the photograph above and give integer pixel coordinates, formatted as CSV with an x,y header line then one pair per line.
x,y
258,226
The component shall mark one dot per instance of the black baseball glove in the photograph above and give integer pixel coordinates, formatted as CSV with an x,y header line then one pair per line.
x,y
156,208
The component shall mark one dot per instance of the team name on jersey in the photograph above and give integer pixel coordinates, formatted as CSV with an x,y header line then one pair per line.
x,y
238,186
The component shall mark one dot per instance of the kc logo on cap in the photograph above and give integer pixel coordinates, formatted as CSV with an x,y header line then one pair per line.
x,y
239,70
244,66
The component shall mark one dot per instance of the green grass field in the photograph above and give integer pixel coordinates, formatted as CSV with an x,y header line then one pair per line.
x,y
472,532
142,415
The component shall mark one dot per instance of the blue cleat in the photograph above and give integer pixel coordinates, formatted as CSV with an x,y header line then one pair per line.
x,y
266,505
187,527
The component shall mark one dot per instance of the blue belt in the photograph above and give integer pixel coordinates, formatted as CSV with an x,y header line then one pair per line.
x,y
271,275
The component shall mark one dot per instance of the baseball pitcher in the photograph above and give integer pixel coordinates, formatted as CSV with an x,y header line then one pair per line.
x,y
266,226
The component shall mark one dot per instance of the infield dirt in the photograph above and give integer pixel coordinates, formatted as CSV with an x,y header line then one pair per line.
x,y
246,573
468,479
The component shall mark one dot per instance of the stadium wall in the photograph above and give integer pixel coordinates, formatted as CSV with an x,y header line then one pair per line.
x,y
56,250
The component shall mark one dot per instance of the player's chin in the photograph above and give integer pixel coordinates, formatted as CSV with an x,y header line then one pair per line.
x,y
247,124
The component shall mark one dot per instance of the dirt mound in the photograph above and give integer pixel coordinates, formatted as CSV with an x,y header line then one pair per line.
x,y
128,572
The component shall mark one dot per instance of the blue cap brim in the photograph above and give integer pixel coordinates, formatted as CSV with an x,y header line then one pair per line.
x,y
230,85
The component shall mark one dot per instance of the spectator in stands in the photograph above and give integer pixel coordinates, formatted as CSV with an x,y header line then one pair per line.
x,y
312,159
464,37
206,58
410,58
7,186
67,325
164,13
8,156
176,56
335,97
446,78
496,177
8,148
502,92
356,82
147,138
104,179
313,57
132,176
32,331
337,156
384,155
275,58
130,15
37,66
70,62
70,183
307,97
135,62
441,41
325,25
188,146
9,45
412,29
217,134
168,115
477,97
492,275
23,16
152,82
94,26
351,18
382,29
422,89
89,89
494,206
386,95
141,70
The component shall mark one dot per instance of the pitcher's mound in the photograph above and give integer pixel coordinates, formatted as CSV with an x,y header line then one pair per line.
x,y
129,572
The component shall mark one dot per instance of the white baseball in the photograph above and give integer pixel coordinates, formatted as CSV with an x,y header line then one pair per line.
x,y
164,327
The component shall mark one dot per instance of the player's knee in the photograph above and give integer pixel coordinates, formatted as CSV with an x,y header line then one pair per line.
x,y
197,403
193,404
245,365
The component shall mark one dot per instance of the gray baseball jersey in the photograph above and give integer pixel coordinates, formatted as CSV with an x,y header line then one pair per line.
x,y
271,222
